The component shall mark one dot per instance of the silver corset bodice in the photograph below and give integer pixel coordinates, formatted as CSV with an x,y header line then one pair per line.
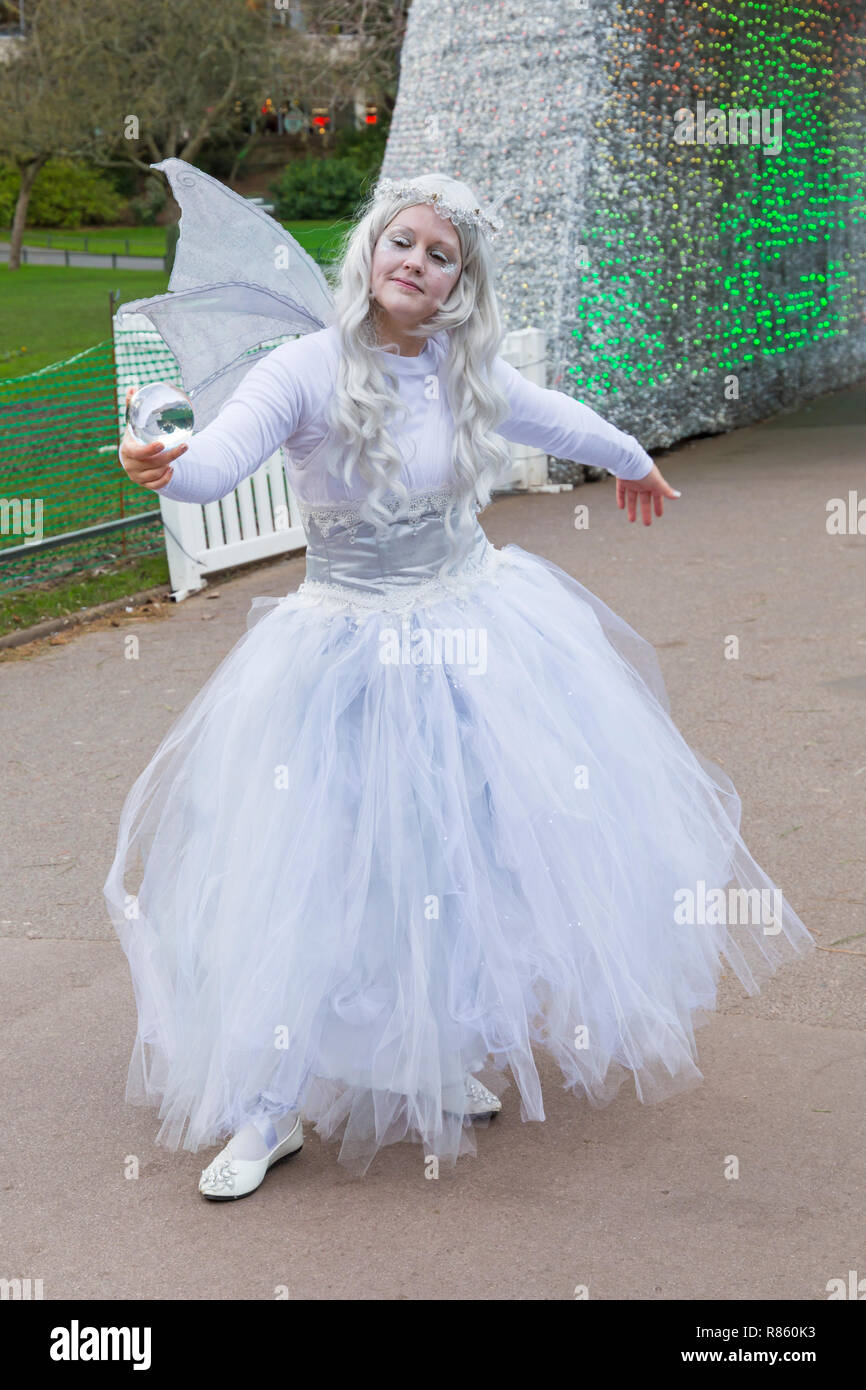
x,y
349,565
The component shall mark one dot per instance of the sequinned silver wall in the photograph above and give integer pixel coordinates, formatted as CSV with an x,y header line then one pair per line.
x,y
690,224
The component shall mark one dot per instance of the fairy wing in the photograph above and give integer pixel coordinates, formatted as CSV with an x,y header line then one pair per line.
x,y
239,281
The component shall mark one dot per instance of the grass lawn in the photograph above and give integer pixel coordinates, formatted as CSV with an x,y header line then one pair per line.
x,y
316,237
55,312
24,609
62,447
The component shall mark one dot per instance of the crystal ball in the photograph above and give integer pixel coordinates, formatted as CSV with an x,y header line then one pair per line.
x,y
160,413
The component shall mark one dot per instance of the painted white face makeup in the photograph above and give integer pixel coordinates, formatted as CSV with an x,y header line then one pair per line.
x,y
416,266
418,249
446,259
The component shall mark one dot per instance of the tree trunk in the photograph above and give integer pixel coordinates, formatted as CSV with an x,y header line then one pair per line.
x,y
190,150
241,157
19,221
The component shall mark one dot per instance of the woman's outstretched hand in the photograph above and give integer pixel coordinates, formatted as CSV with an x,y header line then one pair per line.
x,y
147,464
652,490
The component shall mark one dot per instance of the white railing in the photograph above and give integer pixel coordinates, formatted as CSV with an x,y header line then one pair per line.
x,y
261,518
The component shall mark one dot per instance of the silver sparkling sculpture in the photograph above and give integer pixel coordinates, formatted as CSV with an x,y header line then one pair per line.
x,y
692,271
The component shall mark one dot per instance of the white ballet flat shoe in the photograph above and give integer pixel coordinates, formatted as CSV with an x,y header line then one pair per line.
x,y
228,1177
476,1099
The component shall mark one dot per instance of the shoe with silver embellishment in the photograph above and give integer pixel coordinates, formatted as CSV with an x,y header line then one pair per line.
x,y
475,1101
228,1177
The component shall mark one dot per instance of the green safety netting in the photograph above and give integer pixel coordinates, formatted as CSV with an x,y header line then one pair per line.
x,y
59,432
59,470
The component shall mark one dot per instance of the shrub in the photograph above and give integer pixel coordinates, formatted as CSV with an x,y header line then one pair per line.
x,y
332,185
65,194
146,208
318,187
366,146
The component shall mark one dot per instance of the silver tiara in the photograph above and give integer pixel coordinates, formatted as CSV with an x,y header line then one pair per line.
x,y
486,218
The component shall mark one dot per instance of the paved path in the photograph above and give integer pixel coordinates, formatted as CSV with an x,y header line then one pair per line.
x,y
94,260
630,1200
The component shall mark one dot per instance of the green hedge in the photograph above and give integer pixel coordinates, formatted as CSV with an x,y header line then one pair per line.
x,y
65,194
314,187
365,146
332,185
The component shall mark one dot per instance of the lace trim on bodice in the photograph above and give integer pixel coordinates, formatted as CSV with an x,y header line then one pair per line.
x,y
401,598
327,516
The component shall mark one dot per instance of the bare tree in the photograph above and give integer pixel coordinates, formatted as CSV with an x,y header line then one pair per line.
x,y
120,85
176,72
44,103
352,44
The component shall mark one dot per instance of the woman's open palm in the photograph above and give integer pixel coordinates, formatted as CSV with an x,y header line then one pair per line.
x,y
652,490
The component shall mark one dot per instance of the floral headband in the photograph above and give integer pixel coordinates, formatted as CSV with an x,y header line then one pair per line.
x,y
485,218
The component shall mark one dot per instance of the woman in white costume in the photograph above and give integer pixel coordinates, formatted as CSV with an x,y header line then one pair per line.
x,y
431,811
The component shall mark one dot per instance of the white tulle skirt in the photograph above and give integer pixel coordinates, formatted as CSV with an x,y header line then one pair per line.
x,y
348,877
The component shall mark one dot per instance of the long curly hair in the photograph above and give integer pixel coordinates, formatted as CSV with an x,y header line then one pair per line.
x,y
366,397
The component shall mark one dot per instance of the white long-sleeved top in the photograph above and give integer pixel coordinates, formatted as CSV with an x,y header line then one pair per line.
x,y
283,399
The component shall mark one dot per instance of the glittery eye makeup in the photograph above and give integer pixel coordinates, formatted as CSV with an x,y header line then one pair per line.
x,y
443,259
